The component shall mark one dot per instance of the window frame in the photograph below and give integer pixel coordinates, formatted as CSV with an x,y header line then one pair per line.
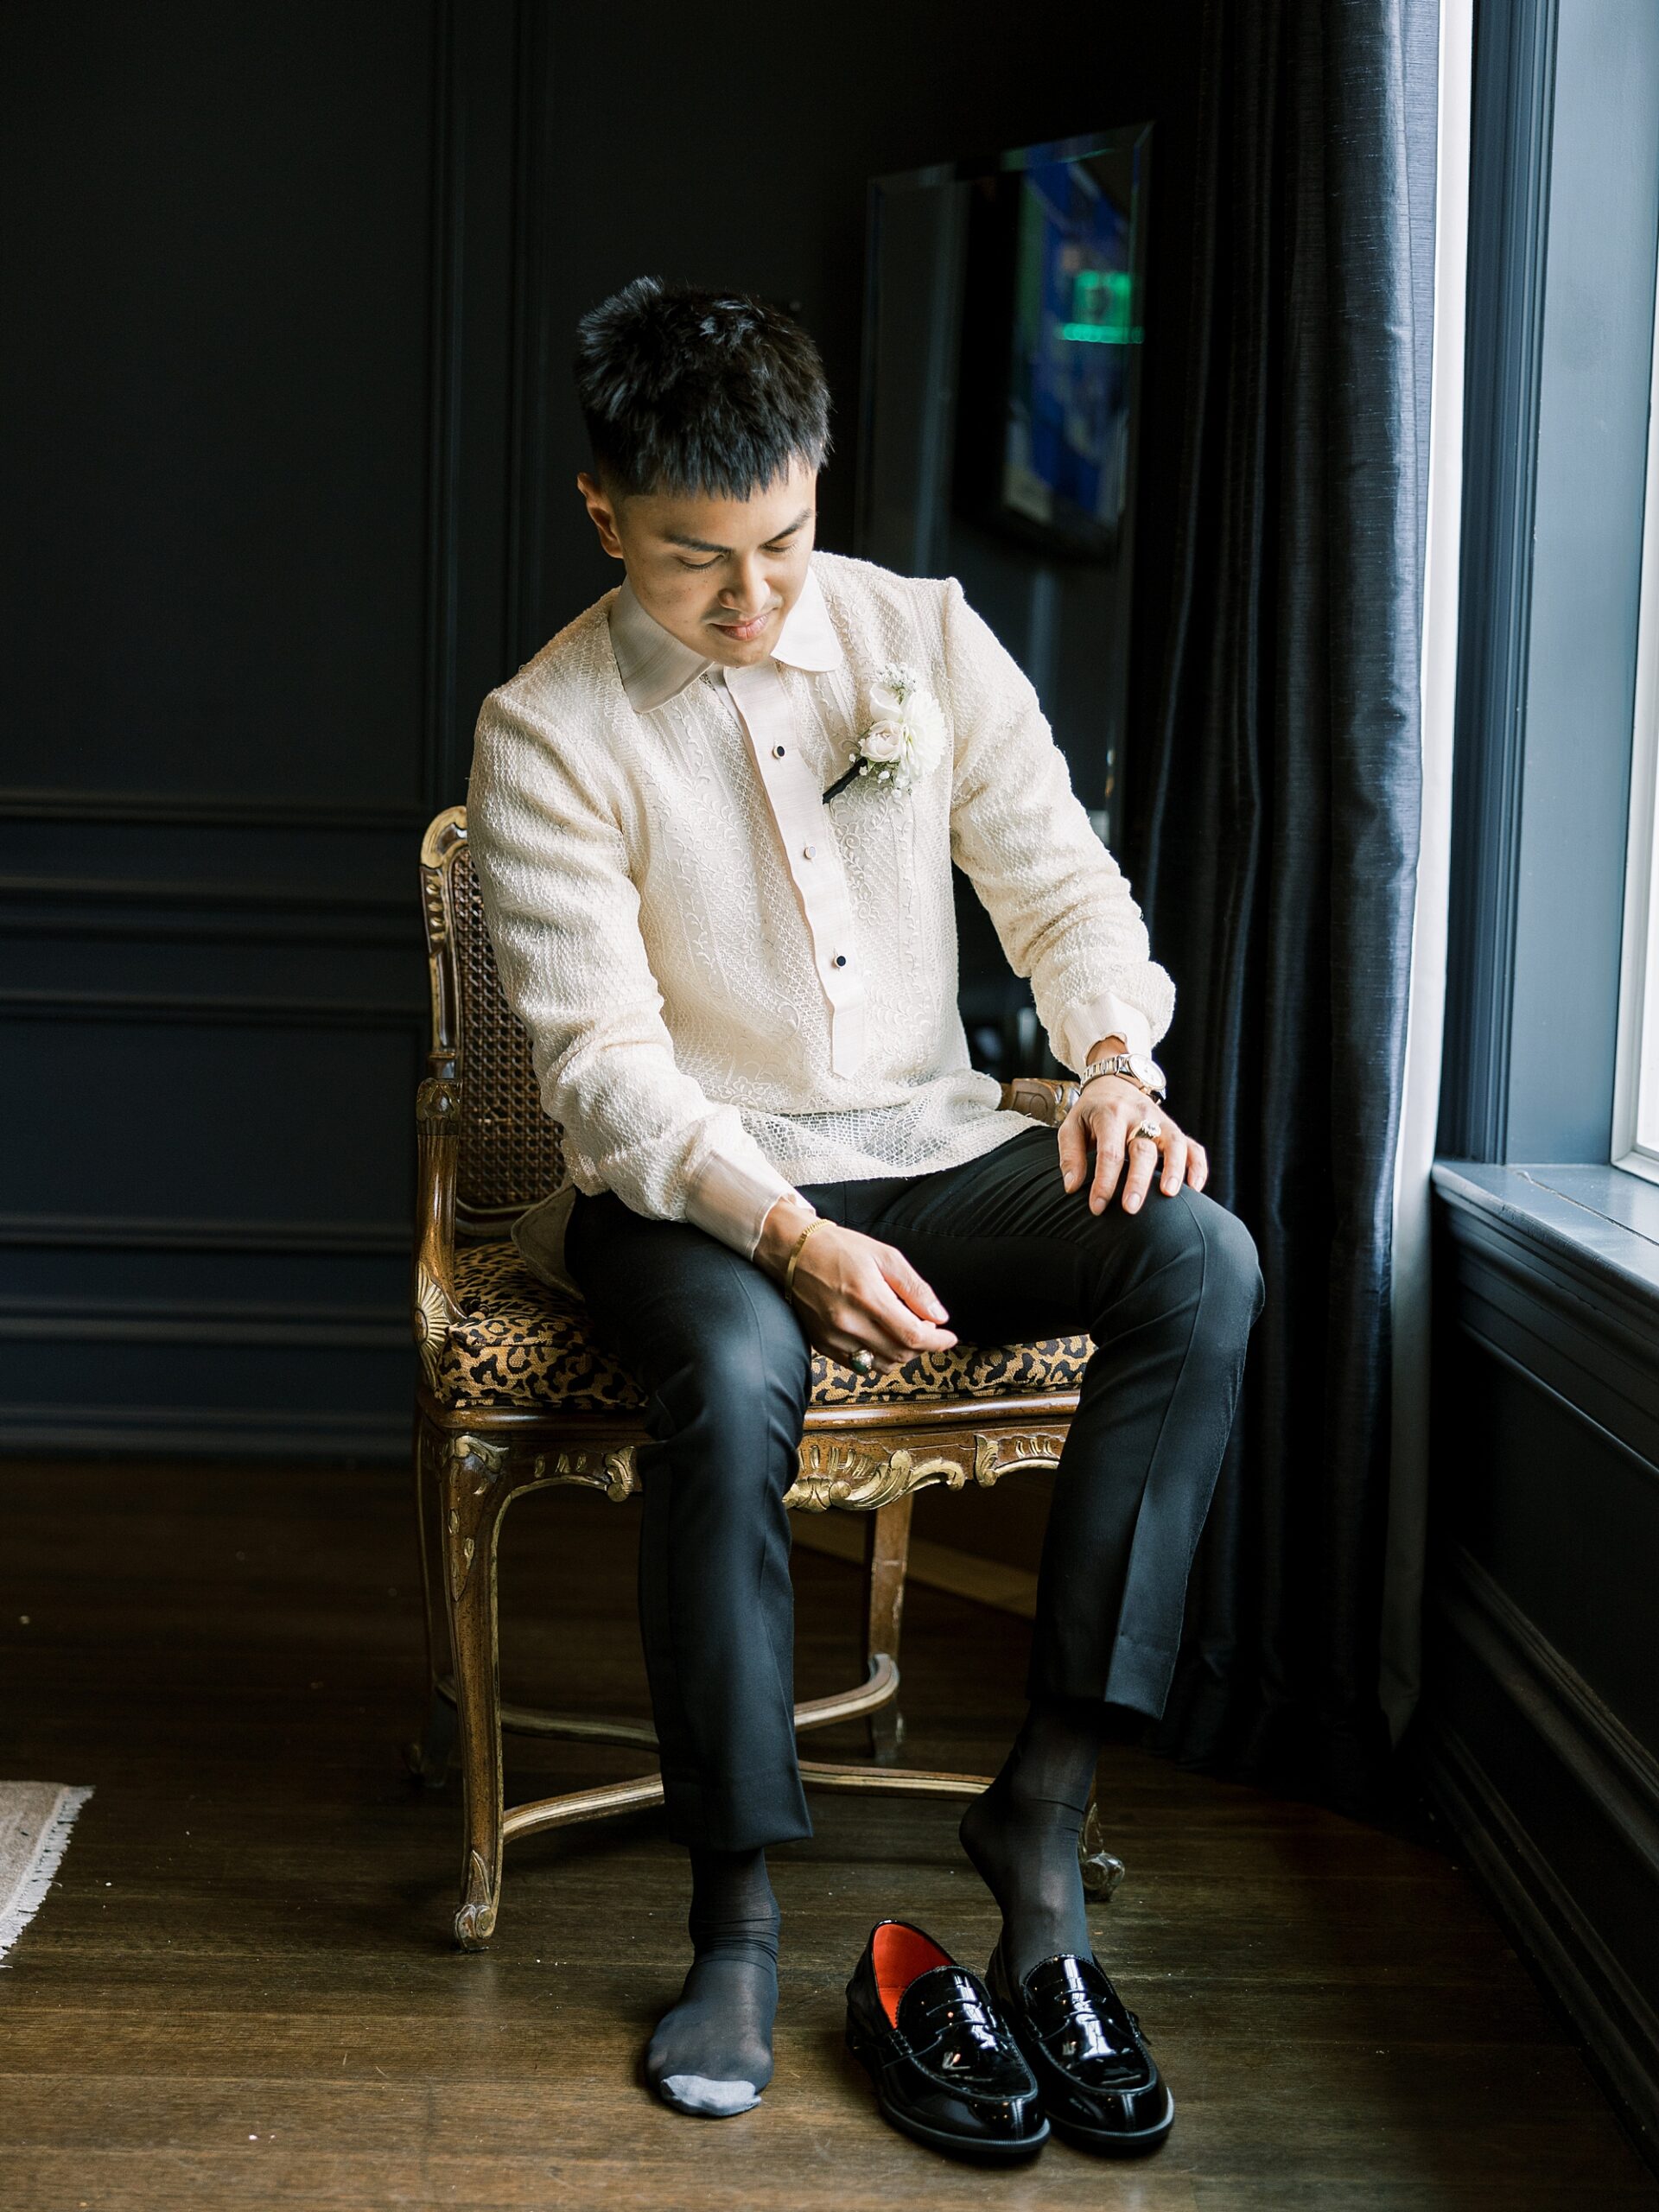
x,y
1639,982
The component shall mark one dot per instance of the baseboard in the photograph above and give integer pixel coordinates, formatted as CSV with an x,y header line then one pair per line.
x,y
1580,1763
202,1431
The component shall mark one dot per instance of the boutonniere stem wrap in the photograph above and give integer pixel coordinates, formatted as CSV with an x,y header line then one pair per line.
x,y
903,737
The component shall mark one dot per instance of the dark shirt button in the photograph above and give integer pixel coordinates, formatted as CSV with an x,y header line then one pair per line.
x,y
777,752
841,960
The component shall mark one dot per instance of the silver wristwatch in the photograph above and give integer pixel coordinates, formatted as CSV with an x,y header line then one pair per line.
x,y
1139,1068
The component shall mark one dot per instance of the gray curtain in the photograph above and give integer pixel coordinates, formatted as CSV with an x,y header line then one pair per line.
x,y
1276,844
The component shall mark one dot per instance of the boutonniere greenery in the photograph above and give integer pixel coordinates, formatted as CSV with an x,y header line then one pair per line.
x,y
903,737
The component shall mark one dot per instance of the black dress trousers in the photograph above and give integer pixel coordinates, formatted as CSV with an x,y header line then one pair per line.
x,y
1169,1295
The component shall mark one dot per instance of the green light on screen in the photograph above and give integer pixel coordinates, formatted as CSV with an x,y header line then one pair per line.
x,y
1101,303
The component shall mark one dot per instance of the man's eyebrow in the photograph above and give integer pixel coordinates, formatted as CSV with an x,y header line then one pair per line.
x,y
706,545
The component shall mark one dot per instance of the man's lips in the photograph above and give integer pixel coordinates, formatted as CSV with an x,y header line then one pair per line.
x,y
743,632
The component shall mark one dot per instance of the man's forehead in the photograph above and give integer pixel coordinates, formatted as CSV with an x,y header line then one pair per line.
x,y
716,525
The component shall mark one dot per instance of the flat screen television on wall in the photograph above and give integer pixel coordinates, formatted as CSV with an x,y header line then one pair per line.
x,y
1051,326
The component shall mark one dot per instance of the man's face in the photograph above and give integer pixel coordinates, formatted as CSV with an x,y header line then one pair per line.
x,y
720,575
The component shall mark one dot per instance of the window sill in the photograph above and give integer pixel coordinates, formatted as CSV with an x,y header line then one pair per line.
x,y
1597,1227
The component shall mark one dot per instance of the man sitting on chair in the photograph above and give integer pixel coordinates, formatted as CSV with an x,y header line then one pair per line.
x,y
714,822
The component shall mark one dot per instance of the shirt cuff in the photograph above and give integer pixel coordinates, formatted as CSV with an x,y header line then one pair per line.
x,y
1082,1026
731,1199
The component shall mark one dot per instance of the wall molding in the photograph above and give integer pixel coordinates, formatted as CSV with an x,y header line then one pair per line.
x,y
132,911
379,1327
530,349
140,1233
1614,1782
161,810
183,1006
231,898
254,1432
446,328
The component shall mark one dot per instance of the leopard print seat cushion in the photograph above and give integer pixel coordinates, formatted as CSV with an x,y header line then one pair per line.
x,y
520,1344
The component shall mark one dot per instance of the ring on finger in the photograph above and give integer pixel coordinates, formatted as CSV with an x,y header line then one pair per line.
x,y
1153,1131
863,1361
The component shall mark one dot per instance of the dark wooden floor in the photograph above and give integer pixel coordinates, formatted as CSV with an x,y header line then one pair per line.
x,y
241,1992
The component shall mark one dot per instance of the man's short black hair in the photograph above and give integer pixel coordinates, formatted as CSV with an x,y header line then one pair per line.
x,y
686,391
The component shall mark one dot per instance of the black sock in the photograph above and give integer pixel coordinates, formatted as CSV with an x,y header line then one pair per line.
x,y
712,2054
1022,1833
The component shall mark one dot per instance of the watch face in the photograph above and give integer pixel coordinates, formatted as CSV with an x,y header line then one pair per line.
x,y
1146,1071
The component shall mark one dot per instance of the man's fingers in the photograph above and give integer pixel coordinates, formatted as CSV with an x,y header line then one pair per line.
x,y
1108,1163
1198,1164
1074,1152
879,1319
1144,1159
1174,1170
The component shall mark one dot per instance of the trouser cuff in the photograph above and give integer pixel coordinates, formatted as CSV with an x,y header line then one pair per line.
x,y
740,1812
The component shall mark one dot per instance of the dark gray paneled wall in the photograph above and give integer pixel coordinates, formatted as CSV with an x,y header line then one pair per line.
x,y
287,425
271,375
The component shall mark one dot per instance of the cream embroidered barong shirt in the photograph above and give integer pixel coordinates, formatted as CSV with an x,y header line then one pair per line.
x,y
731,987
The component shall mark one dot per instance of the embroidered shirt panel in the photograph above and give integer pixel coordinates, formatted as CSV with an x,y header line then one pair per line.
x,y
675,949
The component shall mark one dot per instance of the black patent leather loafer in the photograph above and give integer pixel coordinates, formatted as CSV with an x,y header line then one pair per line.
x,y
1100,2084
946,2069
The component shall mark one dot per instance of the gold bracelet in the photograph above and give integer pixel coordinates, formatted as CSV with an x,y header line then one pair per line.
x,y
817,1221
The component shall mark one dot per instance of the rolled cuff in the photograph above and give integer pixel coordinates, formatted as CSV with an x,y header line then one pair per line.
x,y
730,1198
1084,1023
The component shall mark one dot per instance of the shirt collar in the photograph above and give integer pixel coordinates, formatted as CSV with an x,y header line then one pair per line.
x,y
655,666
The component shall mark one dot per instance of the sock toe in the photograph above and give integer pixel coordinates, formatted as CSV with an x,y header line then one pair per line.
x,y
710,2100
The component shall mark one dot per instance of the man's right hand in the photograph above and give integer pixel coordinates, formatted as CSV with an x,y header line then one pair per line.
x,y
852,1292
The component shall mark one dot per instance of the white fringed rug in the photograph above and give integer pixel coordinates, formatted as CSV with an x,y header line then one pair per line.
x,y
35,1818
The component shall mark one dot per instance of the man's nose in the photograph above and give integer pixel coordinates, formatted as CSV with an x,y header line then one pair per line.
x,y
749,592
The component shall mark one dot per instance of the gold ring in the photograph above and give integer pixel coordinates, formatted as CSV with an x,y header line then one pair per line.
x,y
863,1362
1153,1130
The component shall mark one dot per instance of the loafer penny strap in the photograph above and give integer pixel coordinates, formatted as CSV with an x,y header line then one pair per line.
x,y
947,2017
1078,2016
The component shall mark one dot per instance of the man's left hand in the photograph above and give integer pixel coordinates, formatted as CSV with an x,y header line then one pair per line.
x,y
1106,1111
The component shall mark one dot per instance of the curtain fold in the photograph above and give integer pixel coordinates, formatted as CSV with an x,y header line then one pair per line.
x,y
1276,847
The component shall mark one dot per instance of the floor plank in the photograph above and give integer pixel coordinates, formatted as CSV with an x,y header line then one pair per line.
x,y
241,1995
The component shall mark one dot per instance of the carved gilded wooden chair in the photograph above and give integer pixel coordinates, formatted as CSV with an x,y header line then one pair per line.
x,y
514,1396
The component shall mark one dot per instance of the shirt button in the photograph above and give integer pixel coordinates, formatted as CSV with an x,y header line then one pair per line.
x,y
777,752
840,960
808,852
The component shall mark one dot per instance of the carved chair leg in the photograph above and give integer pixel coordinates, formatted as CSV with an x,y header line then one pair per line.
x,y
429,1758
1101,1869
886,1553
476,1493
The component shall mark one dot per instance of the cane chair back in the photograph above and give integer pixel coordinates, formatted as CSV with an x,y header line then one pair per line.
x,y
510,1154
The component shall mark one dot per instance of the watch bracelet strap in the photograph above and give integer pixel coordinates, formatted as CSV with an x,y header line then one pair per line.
x,y
1086,1077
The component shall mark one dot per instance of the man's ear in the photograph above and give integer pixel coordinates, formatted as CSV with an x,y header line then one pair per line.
x,y
595,498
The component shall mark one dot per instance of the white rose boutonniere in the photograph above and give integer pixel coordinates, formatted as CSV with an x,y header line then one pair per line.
x,y
904,738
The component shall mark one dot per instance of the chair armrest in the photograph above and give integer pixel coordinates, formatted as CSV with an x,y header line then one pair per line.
x,y
437,1154
1040,1097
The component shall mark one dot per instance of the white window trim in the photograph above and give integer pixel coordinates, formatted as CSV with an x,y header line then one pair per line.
x,y
1638,986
